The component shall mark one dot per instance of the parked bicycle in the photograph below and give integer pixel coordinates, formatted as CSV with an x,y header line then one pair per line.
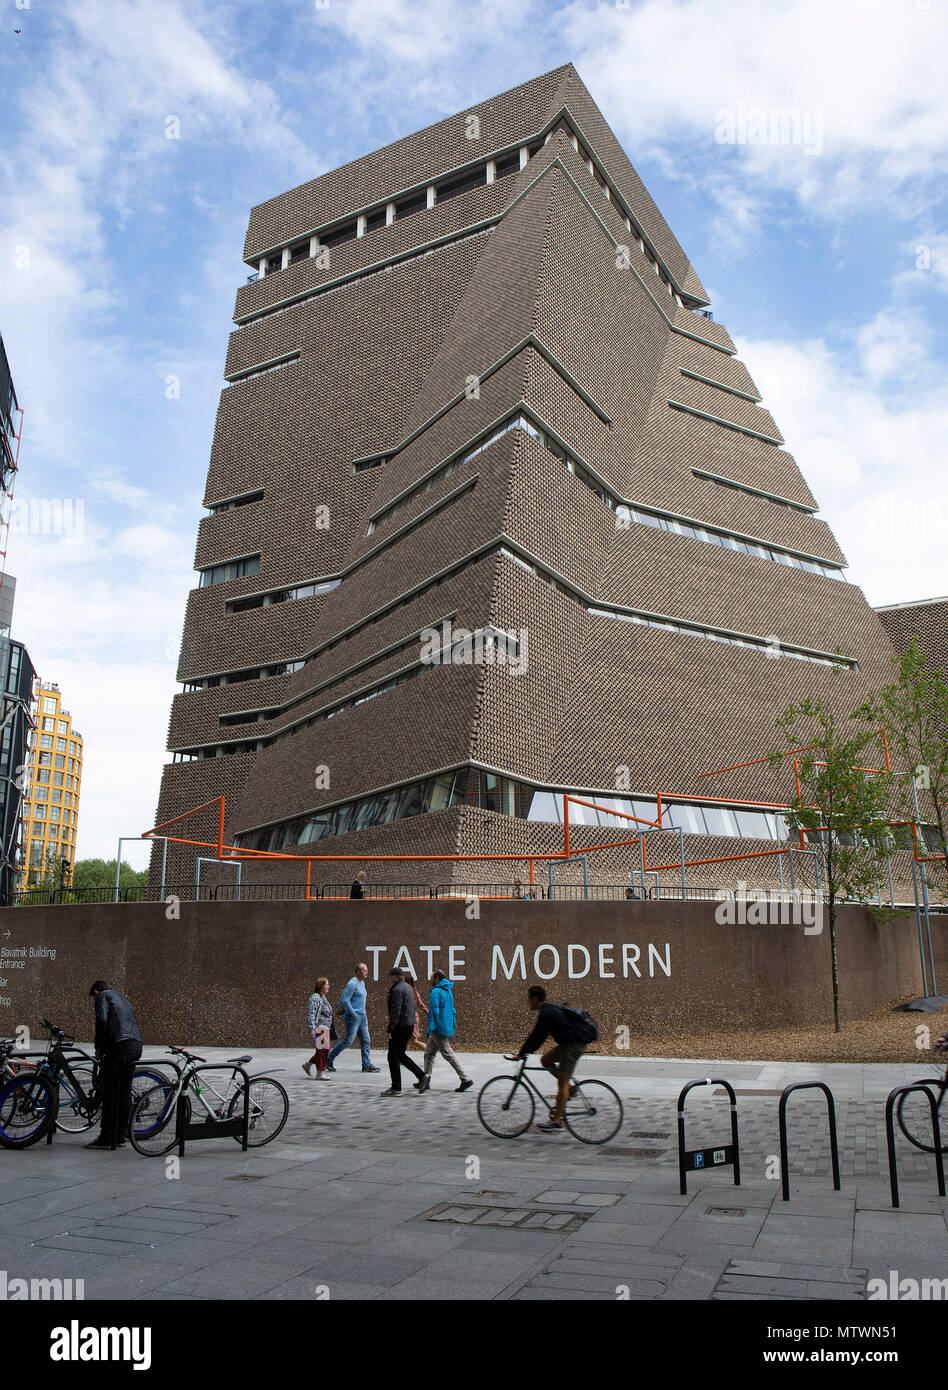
x,y
154,1117
506,1106
62,1088
914,1113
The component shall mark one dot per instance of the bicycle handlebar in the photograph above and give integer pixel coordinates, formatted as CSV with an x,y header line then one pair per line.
x,y
191,1056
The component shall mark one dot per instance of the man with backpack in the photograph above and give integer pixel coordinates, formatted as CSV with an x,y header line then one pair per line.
x,y
572,1031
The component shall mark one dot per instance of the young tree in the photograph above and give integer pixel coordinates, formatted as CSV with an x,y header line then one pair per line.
x,y
913,710
840,805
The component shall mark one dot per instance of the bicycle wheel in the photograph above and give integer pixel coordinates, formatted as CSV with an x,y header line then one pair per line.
x,y
269,1107
27,1109
914,1115
593,1113
505,1107
153,1127
78,1106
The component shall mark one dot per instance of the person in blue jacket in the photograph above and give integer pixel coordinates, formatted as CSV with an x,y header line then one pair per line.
x,y
352,1007
441,1024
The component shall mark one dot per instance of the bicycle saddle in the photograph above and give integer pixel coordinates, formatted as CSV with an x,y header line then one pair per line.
x,y
247,1057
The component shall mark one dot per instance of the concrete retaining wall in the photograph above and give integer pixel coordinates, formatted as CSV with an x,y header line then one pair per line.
x,y
239,974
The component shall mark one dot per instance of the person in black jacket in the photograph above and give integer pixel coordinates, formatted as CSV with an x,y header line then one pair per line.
x,y
561,1060
118,1045
358,887
401,1021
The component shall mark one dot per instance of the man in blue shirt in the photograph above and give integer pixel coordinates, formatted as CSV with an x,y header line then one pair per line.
x,y
352,1006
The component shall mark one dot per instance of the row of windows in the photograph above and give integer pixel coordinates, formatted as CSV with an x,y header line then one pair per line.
x,y
37,852
50,725
40,813
46,742
418,798
394,210
351,671
665,521
243,501
507,796
752,491
251,673
465,650
318,586
43,776
730,542
57,760
218,750
234,569
54,794
687,629
444,471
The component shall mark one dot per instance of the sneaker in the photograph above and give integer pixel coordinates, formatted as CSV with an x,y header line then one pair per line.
x,y
552,1126
367,1068
465,1085
101,1143
330,1067
422,1085
307,1067
321,1076
391,1091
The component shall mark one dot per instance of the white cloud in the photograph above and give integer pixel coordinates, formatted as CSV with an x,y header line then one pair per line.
x,y
873,457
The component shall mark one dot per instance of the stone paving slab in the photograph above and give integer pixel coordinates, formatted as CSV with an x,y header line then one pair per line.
x,y
343,1199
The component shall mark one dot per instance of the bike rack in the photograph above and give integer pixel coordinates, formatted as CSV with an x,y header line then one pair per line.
x,y
782,1122
890,1137
691,1160
214,1129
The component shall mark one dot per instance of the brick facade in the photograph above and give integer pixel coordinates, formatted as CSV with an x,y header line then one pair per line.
x,y
532,292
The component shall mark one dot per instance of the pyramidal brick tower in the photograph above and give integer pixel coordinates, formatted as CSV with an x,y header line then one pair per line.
x,y
474,388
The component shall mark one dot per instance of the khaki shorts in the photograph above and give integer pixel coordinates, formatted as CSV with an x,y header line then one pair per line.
x,y
566,1055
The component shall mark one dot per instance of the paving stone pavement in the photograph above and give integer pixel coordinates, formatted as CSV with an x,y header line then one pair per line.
x,y
364,1197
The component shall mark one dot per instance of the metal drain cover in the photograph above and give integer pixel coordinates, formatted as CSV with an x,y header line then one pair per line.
x,y
513,1218
725,1211
649,1134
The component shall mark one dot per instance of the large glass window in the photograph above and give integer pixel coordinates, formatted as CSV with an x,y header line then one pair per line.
x,y
234,569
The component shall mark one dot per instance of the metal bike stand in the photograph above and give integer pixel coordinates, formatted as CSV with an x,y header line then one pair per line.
x,y
782,1123
691,1160
214,1129
890,1137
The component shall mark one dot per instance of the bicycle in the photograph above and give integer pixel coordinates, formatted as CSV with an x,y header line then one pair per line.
x,y
58,1090
154,1118
506,1106
914,1113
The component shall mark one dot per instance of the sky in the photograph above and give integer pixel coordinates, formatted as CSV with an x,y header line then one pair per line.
x,y
138,134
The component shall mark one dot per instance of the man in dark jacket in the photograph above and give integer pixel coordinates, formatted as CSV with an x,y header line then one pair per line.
x,y
560,1060
358,887
118,1045
401,1021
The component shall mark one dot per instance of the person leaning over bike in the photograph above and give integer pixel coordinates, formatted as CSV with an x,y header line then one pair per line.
x,y
561,1060
118,1045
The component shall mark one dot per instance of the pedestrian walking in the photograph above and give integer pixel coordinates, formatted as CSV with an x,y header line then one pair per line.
x,y
401,1019
420,1006
319,1023
358,888
442,1020
352,1007
118,1045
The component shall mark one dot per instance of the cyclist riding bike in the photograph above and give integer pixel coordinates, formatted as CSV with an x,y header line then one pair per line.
x,y
560,1061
